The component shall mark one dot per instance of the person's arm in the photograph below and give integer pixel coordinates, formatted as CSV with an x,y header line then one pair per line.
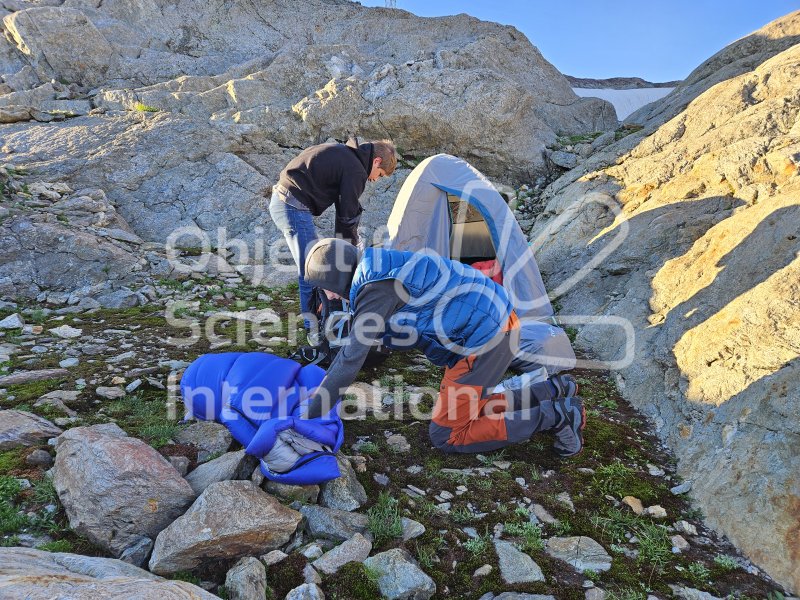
x,y
348,209
376,303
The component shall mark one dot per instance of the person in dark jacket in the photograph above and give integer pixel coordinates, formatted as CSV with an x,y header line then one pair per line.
x,y
321,176
461,320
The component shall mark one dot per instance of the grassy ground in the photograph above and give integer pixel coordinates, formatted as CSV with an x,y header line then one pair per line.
x,y
619,446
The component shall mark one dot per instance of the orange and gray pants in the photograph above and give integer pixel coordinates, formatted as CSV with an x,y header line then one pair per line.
x,y
467,419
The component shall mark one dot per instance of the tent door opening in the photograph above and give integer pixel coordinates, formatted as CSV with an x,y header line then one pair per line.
x,y
470,240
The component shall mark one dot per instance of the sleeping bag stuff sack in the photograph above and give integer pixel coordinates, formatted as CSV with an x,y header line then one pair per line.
x,y
259,397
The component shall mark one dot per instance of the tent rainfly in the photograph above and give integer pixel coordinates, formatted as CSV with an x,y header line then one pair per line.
x,y
448,207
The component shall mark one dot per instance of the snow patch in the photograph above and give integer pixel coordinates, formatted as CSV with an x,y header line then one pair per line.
x,y
625,101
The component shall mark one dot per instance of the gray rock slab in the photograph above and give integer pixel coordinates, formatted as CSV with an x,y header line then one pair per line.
x,y
206,435
333,524
399,576
344,492
356,549
231,465
20,377
581,552
40,575
515,565
247,580
20,428
303,493
306,591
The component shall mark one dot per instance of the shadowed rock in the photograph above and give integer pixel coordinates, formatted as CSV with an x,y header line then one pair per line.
x,y
230,519
39,575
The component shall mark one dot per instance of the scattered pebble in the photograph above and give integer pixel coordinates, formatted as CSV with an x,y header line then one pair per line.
x,y
66,332
181,464
634,503
565,499
110,393
657,512
398,443
482,571
683,488
39,458
544,516
685,527
679,544
416,490
312,551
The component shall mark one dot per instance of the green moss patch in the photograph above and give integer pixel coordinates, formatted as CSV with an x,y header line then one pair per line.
x,y
353,581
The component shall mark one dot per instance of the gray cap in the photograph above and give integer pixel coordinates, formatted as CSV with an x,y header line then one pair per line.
x,y
330,264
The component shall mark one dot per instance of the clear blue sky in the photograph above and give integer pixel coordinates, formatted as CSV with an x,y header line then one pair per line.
x,y
658,40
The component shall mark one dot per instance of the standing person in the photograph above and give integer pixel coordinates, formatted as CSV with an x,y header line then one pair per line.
x,y
460,319
321,176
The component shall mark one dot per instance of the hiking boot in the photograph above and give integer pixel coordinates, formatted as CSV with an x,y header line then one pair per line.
x,y
569,428
565,385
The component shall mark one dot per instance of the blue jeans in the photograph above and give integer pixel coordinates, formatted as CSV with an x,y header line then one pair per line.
x,y
300,233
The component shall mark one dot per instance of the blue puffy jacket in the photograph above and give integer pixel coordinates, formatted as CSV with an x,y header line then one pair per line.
x,y
454,308
257,396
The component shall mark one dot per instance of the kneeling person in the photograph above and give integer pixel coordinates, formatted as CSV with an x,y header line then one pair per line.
x,y
460,319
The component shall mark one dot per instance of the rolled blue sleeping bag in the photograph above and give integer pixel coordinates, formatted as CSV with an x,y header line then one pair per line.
x,y
257,396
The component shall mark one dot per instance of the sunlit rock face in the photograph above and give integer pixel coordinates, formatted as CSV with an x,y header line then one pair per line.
x,y
692,227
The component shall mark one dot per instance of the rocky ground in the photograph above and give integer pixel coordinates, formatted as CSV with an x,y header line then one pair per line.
x,y
403,522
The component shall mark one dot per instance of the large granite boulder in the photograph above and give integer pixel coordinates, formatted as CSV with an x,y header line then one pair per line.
x,y
116,490
40,575
231,519
181,76
691,235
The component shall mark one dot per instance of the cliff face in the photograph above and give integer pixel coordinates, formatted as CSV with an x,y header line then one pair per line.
x,y
185,112
693,225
